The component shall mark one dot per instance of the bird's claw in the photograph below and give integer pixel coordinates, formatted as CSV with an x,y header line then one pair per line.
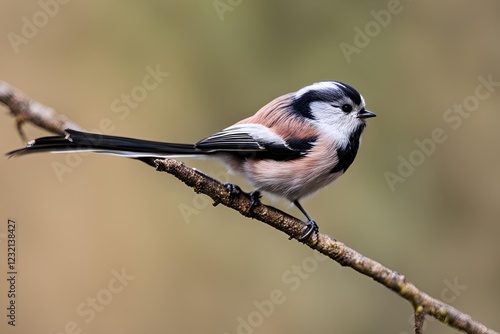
x,y
254,199
312,227
234,190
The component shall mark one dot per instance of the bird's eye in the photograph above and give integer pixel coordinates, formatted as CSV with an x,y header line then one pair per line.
x,y
346,108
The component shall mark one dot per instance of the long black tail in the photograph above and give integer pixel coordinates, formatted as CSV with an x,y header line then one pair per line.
x,y
77,141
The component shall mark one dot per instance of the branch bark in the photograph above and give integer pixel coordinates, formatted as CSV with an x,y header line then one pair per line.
x,y
419,318
23,109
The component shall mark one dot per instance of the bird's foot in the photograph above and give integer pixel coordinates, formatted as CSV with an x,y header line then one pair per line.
x,y
312,227
254,199
235,190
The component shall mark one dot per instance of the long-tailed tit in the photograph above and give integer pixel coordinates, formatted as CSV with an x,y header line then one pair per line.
x,y
292,147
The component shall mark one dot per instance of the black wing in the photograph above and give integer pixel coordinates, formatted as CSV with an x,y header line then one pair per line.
x,y
254,141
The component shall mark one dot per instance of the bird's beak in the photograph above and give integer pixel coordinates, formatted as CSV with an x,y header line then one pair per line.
x,y
365,114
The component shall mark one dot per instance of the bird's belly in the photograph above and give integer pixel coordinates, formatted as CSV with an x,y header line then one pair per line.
x,y
288,178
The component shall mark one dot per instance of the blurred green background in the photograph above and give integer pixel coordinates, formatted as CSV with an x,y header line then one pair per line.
x,y
193,268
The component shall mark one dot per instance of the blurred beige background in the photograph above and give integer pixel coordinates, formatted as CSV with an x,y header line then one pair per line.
x,y
187,267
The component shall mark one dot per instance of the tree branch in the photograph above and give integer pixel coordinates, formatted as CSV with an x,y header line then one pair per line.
x,y
419,318
23,109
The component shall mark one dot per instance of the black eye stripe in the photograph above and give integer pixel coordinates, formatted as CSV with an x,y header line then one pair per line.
x,y
334,94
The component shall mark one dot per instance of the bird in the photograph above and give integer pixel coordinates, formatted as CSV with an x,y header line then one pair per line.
x,y
290,148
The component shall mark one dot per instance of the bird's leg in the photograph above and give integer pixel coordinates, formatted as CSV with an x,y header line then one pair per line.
x,y
311,224
235,190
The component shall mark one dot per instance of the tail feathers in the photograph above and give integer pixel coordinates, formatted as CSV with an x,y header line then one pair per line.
x,y
77,141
